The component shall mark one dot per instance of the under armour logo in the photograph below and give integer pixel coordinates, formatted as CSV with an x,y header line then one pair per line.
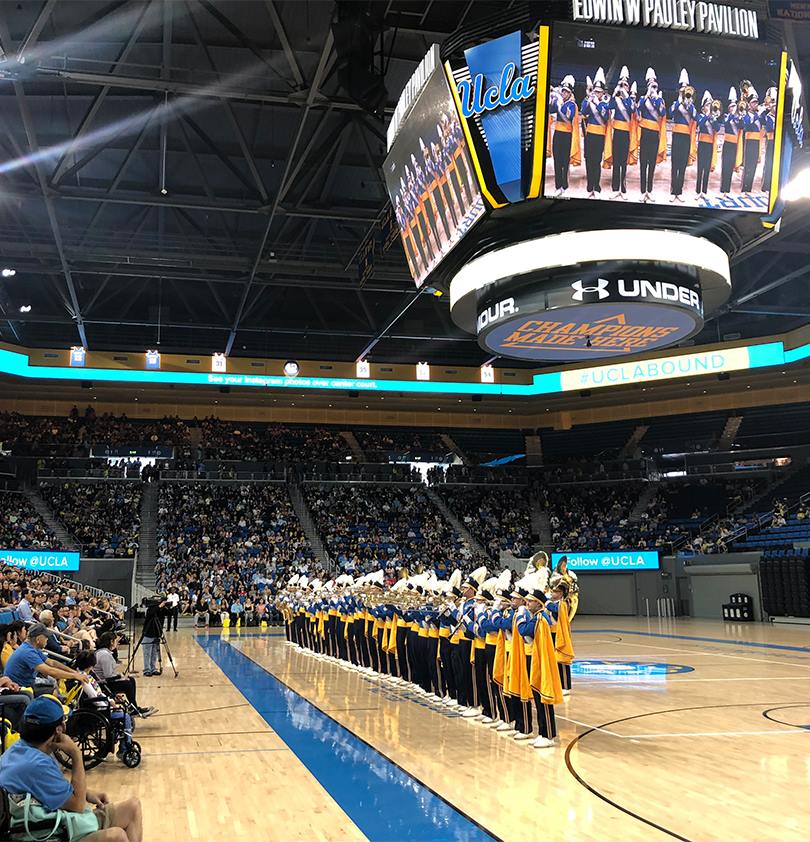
x,y
600,290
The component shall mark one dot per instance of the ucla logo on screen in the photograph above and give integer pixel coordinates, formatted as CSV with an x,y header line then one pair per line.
x,y
476,99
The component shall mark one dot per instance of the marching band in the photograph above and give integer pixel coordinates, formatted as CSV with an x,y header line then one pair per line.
x,y
623,128
492,651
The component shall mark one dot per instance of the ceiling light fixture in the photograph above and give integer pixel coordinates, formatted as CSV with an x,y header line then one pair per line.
x,y
8,273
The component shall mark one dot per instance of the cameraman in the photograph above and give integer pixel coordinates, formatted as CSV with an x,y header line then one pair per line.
x,y
152,631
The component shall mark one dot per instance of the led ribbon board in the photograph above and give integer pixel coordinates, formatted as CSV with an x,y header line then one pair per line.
x,y
623,372
610,560
49,561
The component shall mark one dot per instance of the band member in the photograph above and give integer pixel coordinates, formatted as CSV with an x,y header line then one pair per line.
x,y
465,619
708,125
752,140
433,172
563,574
732,143
653,141
544,677
683,114
559,614
622,134
768,131
595,113
516,680
565,136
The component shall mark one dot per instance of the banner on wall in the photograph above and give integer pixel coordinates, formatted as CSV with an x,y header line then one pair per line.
x,y
43,561
610,560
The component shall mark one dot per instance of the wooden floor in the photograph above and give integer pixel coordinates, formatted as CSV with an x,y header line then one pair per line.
x,y
683,729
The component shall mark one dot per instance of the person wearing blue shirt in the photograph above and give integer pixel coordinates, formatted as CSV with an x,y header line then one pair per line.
x,y
563,107
732,122
683,114
651,111
708,125
29,661
621,107
595,110
28,768
752,139
768,132
24,611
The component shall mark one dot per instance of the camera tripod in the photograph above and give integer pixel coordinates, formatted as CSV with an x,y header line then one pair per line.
x,y
161,641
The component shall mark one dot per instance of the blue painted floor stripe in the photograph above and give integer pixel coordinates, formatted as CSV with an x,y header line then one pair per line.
x,y
385,802
725,641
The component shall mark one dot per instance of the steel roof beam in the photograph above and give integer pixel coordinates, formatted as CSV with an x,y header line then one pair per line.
x,y
92,112
313,92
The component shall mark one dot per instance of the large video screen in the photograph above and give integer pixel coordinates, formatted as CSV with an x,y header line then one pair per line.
x,y
643,116
430,179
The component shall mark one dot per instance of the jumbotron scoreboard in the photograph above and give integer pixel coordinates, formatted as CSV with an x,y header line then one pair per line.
x,y
579,186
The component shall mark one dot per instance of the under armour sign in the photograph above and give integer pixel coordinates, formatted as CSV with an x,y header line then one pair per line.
x,y
636,289
599,290
496,312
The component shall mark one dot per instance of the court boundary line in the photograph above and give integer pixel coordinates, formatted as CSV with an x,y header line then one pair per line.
x,y
360,739
724,641
626,810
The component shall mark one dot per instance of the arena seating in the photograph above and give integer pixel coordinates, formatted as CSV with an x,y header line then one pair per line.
x,y
378,443
586,440
104,517
483,445
759,430
21,527
684,433
499,518
384,526
269,442
225,538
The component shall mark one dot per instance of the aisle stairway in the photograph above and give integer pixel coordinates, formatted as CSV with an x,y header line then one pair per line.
x,y
301,508
51,521
354,445
466,536
147,537
643,502
541,527
449,442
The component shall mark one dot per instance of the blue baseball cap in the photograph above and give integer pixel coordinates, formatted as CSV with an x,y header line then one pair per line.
x,y
44,710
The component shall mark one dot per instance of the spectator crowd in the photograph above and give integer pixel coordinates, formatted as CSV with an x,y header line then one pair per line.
x,y
103,517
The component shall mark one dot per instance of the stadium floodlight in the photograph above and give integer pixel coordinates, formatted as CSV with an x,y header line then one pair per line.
x,y
8,272
798,187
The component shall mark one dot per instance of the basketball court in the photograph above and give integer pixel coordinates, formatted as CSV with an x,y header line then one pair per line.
x,y
684,729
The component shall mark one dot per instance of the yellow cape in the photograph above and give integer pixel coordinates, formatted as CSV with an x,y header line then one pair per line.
x,y
564,646
545,677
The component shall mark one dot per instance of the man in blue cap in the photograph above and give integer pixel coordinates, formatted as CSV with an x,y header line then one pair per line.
x,y
29,768
30,661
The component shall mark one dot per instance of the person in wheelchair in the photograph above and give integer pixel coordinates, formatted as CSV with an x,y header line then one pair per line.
x,y
116,709
39,795
105,668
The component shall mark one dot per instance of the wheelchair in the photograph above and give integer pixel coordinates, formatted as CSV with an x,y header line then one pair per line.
x,y
97,728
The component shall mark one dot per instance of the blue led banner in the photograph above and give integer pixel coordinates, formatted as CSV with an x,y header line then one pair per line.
x,y
610,560
739,358
44,561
